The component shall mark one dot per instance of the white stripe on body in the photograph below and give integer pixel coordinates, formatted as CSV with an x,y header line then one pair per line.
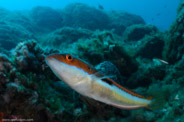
x,y
84,83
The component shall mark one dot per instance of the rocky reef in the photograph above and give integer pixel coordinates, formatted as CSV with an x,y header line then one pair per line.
x,y
174,46
64,36
46,18
81,15
138,31
121,20
120,45
105,41
13,28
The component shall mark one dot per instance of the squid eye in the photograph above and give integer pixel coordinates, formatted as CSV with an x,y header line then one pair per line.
x,y
69,58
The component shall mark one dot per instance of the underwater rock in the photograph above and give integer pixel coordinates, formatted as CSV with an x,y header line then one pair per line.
x,y
3,80
63,88
7,71
174,48
110,70
178,69
29,59
138,31
46,18
84,16
143,116
28,88
174,73
120,20
20,102
152,46
14,27
64,36
147,73
11,34
4,13
20,18
103,111
28,93
103,47
28,56
6,66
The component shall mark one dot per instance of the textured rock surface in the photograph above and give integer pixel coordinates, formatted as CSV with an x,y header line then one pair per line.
x,y
121,20
137,32
101,47
14,27
29,89
110,70
81,15
152,47
175,44
147,74
65,36
46,18
28,56
11,34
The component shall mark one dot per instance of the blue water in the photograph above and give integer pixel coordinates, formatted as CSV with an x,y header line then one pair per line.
x,y
120,45
157,12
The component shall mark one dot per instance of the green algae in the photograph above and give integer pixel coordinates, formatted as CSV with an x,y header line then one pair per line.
x,y
31,92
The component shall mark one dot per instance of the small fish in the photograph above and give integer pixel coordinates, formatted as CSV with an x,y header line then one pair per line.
x,y
88,82
100,7
162,61
152,19
158,14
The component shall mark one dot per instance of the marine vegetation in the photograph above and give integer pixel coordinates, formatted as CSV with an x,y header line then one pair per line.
x,y
123,52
